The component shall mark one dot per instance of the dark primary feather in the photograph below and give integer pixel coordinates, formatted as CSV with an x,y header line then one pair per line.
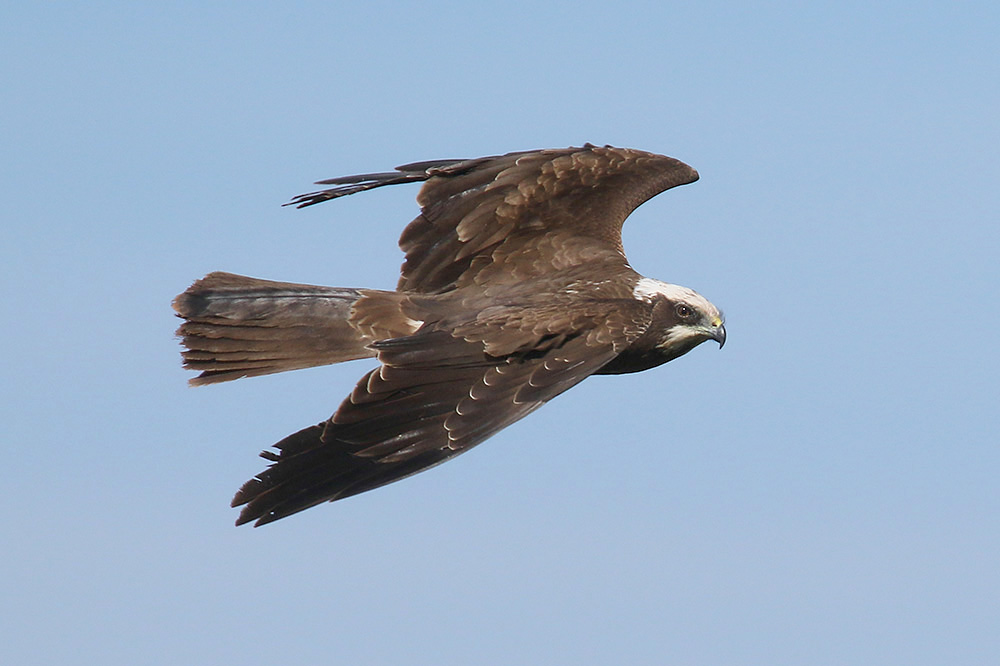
x,y
407,173
353,184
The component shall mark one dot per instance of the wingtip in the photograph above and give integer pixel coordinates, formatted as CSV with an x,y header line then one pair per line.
x,y
248,514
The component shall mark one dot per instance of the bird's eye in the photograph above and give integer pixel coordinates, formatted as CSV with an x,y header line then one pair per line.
x,y
684,311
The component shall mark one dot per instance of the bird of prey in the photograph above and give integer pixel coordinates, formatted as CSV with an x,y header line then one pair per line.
x,y
514,288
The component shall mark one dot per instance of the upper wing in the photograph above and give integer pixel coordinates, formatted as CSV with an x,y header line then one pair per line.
x,y
435,396
534,211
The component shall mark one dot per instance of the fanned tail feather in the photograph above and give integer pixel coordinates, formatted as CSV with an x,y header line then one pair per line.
x,y
239,326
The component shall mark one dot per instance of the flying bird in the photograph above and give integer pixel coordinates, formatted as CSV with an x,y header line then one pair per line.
x,y
514,288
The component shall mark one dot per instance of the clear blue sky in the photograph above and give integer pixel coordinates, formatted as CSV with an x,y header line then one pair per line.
x,y
824,490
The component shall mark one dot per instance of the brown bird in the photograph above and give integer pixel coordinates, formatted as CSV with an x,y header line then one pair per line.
x,y
515,287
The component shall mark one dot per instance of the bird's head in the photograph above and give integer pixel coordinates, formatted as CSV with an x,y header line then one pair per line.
x,y
682,317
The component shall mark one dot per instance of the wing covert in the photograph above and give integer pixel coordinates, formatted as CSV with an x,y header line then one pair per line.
x,y
539,211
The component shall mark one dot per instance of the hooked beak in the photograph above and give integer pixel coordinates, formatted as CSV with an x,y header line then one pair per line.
x,y
718,333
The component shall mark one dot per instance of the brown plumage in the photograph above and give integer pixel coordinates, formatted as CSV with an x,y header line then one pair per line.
x,y
515,287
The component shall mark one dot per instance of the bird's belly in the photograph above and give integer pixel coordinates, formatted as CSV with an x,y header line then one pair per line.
x,y
627,362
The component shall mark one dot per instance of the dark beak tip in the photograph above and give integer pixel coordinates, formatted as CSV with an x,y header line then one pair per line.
x,y
720,336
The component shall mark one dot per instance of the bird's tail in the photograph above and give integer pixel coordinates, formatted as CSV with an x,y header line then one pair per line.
x,y
238,326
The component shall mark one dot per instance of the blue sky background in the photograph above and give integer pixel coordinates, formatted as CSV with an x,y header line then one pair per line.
x,y
822,491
